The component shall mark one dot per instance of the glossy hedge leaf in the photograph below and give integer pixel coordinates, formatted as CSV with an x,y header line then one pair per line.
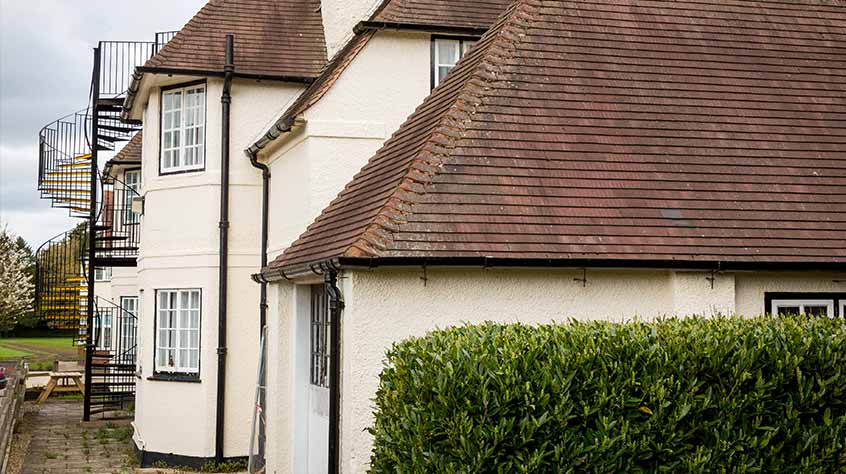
x,y
724,395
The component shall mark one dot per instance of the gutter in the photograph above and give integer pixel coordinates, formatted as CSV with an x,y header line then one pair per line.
x,y
303,270
448,30
226,102
138,75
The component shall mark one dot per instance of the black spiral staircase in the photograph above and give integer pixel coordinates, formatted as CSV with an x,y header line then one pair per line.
x,y
69,177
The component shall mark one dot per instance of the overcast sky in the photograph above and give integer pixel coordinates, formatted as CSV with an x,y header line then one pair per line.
x,y
45,71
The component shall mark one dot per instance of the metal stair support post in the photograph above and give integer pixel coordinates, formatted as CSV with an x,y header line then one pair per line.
x,y
92,232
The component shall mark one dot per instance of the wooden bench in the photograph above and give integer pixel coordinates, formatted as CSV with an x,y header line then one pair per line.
x,y
70,382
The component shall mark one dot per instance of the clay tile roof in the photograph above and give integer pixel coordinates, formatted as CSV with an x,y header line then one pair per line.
x,y
131,152
273,39
449,13
650,131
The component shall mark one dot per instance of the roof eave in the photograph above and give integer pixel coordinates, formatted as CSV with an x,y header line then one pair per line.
x,y
293,272
419,27
140,71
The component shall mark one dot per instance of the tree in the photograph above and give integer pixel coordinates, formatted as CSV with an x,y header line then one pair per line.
x,y
28,319
17,292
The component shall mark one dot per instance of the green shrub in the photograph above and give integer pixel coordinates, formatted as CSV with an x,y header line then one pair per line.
x,y
725,395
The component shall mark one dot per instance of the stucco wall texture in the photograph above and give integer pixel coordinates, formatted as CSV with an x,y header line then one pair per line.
x,y
179,249
385,306
343,130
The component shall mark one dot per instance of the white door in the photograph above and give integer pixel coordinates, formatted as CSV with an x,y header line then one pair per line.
x,y
311,451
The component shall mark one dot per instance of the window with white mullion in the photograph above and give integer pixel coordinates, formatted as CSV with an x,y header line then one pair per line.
x,y
183,129
445,55
810,307
178,333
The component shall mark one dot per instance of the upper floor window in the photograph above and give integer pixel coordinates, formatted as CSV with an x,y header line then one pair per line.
x,y
183,129
445,54
829,305
132,181
178,331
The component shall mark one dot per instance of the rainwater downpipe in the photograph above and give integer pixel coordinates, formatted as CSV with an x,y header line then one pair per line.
x,y
336,305
265,215
225,101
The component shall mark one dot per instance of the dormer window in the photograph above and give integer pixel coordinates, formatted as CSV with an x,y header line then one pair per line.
x,y
446,52
183,129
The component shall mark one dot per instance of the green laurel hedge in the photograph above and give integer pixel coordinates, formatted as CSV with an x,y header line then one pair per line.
x,y
725,395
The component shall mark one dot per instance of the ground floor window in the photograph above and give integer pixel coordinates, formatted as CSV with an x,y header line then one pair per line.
x,y
319,365
128,322
178,331
830,305
103,331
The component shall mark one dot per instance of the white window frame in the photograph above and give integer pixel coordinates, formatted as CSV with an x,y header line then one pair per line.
x,y
103,322
129,216
801,303
102,273
176,326
174,121
128,322
462,45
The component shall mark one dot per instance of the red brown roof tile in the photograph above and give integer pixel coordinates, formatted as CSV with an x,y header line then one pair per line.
x,y
648,131
130,154
273,39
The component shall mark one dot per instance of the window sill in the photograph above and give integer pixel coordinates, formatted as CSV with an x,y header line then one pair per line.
x,y
163,377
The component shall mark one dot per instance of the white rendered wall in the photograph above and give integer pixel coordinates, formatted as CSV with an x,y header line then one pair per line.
x,y
179,249
340,17
385,306
370,100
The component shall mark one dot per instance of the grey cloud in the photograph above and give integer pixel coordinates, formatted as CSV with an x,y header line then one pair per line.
x,y
45,71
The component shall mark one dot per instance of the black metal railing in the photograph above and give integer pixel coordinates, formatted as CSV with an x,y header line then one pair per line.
x,y
115,341
118,60
64,171
61,279
163,37
118,234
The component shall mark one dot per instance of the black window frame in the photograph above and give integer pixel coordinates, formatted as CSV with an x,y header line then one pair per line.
x,y
837,297
164,89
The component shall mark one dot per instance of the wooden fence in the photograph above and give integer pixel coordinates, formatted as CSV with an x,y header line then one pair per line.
x,y
11,409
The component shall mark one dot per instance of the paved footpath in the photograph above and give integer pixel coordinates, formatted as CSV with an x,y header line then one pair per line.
x,y
58,442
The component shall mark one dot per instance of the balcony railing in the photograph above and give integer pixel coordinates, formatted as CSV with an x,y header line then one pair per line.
x,y
118,60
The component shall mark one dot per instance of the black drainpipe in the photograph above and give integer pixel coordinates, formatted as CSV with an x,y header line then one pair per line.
x,y
336,304
265,206
225,100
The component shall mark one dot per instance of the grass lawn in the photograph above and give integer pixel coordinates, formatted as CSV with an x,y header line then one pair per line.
x,y
7,353
37,349
47,343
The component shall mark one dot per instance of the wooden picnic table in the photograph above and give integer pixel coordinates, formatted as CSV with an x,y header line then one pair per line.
x,y
72,382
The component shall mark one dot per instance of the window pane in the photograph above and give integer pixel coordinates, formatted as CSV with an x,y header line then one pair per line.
x,y
816,310
788,310
447,51
442,73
